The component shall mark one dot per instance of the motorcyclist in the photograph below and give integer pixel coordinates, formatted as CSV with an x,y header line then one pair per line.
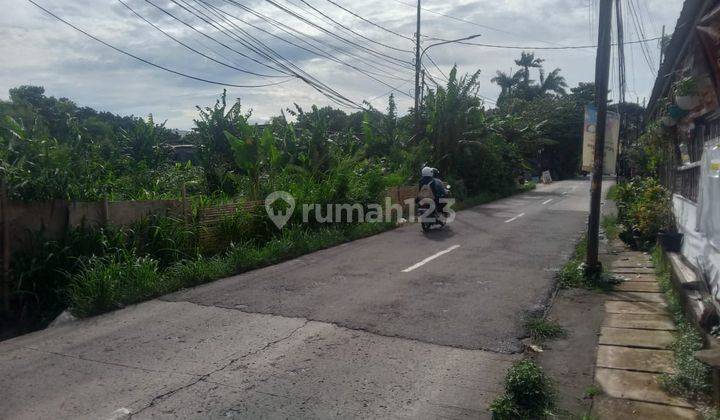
x,y
430,177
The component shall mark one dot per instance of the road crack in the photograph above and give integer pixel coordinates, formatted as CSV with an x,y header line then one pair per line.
x,y
204,378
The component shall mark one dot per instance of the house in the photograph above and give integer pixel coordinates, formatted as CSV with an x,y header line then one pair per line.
x,y
685,99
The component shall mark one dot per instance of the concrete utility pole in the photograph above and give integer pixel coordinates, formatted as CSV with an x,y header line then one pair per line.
x,y
602,72
417,72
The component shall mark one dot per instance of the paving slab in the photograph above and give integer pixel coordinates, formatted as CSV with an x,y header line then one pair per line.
x,y
618,409
638,286
637,296
621,307
631,263
654,339
639,321
646,360
632,270
648,278
637,386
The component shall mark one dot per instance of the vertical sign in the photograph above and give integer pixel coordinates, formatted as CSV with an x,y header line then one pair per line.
x,y
612,134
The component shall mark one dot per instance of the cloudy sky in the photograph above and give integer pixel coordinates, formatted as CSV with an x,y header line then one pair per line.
x,y
37,49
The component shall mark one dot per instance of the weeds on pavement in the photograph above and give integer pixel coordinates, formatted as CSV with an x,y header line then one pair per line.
x,y
541,329
529,394
692,378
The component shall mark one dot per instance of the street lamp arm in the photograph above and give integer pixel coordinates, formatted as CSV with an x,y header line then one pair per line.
x,y
448,41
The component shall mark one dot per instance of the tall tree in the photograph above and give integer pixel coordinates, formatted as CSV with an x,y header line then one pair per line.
x,y
528,61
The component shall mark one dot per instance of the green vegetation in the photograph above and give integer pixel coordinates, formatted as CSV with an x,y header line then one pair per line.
x,y
529,394
541,329
572,274
103,284
692,378
54,149
643,211
610,226
592,391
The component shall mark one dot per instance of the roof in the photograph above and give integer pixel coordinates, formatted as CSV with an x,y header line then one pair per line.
x,y
692,12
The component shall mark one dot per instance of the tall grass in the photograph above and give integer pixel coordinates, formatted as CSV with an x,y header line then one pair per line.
x,y
104,284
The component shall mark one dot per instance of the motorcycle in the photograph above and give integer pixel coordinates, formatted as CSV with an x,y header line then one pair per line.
x,y
428,214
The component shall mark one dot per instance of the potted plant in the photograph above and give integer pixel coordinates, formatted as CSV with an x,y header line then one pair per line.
x,y
686,93
668,237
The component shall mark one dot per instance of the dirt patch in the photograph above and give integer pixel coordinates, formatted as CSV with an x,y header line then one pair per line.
x,y
570,361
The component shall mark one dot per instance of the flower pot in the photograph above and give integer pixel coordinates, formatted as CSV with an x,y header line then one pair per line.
x,y
670,241
688,102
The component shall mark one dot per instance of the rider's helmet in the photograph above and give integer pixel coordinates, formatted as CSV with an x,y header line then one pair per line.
x,y
427,171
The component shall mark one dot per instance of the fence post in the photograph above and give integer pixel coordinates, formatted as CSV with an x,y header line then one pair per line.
x,y
6,248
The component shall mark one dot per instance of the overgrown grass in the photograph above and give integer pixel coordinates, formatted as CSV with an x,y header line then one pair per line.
x,y
572,274
541,329
612,192
610,226
692,378
104,284
529,394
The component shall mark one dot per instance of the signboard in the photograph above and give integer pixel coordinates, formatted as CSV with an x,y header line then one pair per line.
x,y
612,134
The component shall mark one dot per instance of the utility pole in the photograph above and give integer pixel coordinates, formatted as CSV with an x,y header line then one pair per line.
x,y
622,85
602,72
417,72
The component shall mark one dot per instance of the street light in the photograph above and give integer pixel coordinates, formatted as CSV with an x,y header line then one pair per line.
x,y
447,41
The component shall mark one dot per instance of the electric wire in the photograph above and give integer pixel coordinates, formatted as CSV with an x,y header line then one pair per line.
x,y
193,49
371,22
148,62
353,31
316,43
305,77
217,12
335,35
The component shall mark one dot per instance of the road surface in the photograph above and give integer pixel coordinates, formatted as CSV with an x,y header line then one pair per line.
x,y
401,324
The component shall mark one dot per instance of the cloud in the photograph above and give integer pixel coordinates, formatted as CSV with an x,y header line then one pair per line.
x,y
39,50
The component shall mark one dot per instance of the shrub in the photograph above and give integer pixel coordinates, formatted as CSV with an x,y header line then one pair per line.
x,y
541,329
529,393
643,209
504,408
112,282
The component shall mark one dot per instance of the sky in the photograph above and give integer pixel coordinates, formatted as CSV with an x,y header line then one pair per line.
x,y
369,61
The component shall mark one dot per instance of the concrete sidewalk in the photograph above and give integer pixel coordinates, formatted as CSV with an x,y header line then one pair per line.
x,y
633,348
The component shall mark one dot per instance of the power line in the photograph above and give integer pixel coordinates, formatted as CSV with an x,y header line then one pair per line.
x,y
191,48
371,22
217,12
468,21
93,37
305,77
300,36
352,31
315,50
334,35
517,47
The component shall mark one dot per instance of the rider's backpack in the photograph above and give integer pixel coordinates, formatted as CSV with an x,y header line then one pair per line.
x,y
426,192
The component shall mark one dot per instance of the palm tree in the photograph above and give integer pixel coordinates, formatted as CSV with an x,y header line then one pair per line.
x,y
505,81
526,61
553,82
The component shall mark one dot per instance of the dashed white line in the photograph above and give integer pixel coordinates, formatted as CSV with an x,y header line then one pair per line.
x,y
515,218
430,258
547,201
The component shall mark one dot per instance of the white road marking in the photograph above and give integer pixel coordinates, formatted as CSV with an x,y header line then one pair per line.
x,y
430,258
515,218
547,201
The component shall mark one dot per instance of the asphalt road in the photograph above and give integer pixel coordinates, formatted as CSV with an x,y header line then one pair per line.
x,y
401,324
